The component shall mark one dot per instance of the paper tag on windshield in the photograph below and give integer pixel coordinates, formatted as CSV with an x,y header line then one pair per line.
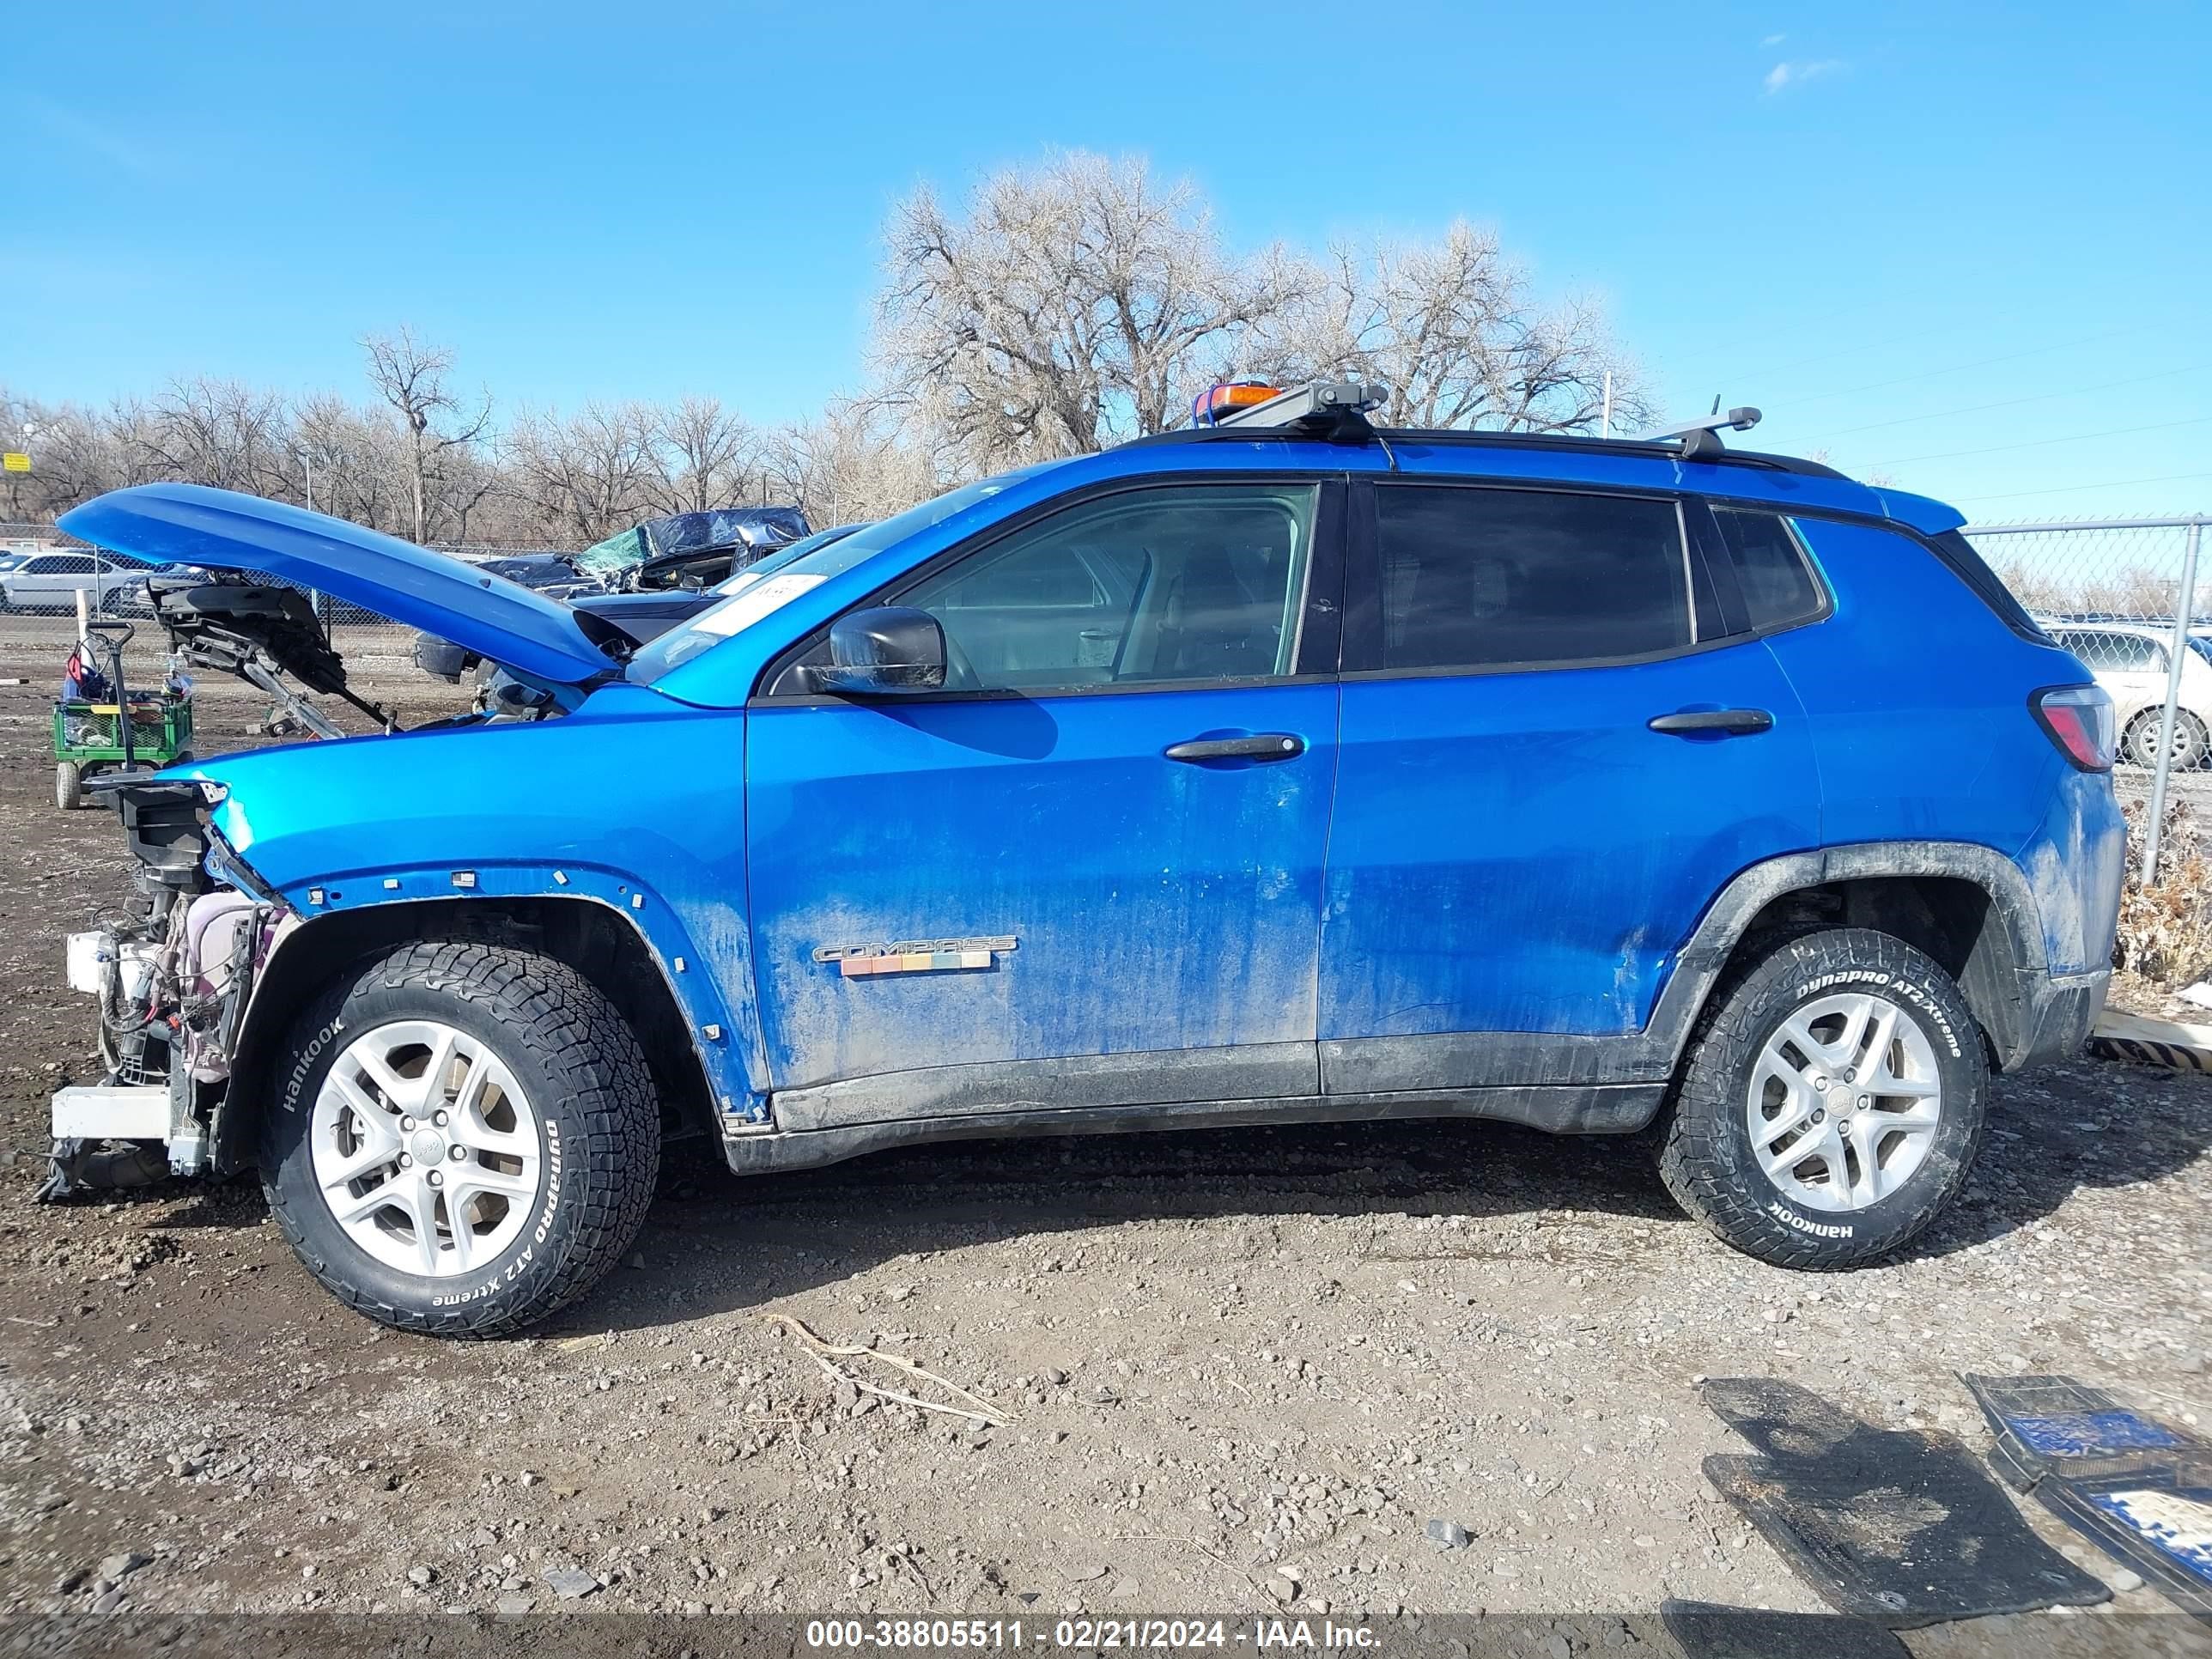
x,y
741,610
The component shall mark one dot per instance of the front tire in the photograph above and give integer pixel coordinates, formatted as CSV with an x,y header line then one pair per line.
x,y
1832,1101
2142,742
69,786
463,1138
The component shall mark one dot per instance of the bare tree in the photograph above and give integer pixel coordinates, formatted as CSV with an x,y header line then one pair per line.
x,y
359,461
411,377
1067,306
1452,329
73,457
215,432
591,473
858,460
708,456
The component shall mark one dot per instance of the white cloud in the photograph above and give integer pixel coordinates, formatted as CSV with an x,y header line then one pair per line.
x,y
1774,41
1786,75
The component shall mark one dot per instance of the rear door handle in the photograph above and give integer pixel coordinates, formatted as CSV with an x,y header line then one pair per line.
x,y
1714,722
1260,746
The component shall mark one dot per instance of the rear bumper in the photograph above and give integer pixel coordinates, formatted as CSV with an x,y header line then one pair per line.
x,y
2057,1012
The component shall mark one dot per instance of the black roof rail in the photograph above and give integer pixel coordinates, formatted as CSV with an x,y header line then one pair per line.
x,y
1701,440
1336,411
1571,441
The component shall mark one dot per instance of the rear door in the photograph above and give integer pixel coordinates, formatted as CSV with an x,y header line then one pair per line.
x,y
1088,873
1561,739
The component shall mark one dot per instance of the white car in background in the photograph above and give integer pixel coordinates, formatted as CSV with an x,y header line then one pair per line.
x,y
2130,660
52,581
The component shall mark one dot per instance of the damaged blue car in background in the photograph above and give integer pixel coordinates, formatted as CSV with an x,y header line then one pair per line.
x,y
1280,768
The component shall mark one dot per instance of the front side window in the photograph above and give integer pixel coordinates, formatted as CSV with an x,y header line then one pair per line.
x,y
1203,582
1485,579
743,606
1778,586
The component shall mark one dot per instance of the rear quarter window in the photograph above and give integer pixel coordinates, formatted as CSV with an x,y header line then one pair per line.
x,y
1777,580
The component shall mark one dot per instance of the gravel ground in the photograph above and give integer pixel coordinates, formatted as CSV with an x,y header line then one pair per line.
x,y
1238,1370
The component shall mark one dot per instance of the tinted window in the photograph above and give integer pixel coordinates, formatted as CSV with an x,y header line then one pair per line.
x,y
1199,583
1494,578
1777,584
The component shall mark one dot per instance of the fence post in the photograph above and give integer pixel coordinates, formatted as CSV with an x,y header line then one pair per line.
x,y
2184,608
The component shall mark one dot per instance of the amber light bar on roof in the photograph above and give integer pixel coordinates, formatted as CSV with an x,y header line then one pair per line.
x,y
1227,396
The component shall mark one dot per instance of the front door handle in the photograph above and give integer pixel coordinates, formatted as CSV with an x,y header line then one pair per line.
x,y
1714,722
1260,746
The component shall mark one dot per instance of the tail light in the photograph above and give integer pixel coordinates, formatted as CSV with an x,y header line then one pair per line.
x,y
2079,719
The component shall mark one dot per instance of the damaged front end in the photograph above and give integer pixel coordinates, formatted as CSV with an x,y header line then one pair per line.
x,y
173,976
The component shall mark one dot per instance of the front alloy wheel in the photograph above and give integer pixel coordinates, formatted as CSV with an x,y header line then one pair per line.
x,y
464,1138
425,1148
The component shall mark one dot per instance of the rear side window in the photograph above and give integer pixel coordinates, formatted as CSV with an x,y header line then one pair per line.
x,y
1480,578
1778,586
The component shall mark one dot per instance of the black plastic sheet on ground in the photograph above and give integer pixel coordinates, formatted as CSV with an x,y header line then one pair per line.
x,y
1901,1528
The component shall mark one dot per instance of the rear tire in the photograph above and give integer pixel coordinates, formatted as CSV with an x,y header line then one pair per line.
x,y
1836,1145
514,1159
69,786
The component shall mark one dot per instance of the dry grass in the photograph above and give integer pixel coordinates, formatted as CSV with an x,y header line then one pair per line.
x,y
2166,930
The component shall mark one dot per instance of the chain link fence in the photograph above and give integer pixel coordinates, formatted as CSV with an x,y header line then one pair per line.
x,y
2123,595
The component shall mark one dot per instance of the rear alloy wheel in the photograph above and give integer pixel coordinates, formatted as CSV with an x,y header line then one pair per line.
x,y
465,1140
1832,1104
2189,740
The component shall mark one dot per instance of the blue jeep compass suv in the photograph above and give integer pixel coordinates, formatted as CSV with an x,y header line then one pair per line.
x,y
1280,768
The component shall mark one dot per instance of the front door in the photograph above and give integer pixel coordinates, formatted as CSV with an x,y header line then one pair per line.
x,y
1089,872
1558,747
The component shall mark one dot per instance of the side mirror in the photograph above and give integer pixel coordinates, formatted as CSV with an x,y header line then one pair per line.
x,y
442,657
888,650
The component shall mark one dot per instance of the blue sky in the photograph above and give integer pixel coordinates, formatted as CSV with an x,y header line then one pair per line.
x,y
1929,239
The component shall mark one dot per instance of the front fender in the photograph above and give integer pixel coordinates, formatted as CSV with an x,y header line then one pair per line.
x,y
723,1033
634,801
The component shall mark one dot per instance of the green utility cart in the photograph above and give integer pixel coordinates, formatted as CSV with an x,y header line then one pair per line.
x,y
129,730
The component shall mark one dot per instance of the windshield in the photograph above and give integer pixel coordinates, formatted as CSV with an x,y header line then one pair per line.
x,y
767,587
618,552
770,563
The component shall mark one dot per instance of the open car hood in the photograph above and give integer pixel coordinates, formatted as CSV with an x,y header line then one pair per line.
x,y
167,523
